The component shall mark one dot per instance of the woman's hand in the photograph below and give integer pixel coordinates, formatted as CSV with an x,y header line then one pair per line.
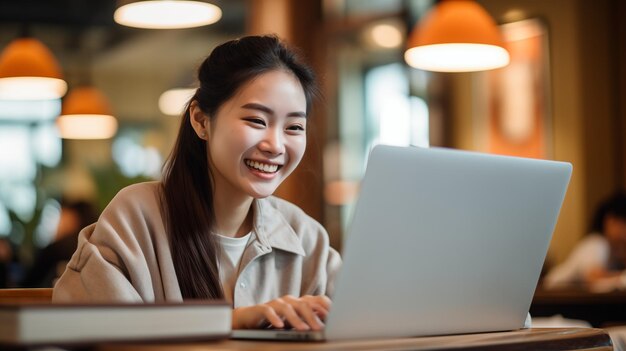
x,y
303,313
595,274
601,280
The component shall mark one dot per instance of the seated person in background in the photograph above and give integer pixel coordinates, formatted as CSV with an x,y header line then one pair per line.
x,y
50,261
599,260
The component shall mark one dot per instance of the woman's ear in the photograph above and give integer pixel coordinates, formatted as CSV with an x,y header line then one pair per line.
x,y
199,120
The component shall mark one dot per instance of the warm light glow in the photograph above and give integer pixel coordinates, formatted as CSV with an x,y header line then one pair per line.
x,y
172,102
386,36
457,57
87,126
514,15
29,71
456,36
31,88
340,192
86,114
167,14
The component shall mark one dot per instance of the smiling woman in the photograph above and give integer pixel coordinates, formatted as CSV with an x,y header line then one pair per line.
x,y
211,229
257,138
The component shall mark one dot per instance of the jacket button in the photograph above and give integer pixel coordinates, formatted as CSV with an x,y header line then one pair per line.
x,y
242,285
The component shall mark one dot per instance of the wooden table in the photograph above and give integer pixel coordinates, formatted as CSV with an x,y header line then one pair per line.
x,y
528,339
41,295
599,309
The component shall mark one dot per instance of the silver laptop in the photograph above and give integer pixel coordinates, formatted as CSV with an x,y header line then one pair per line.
x,y
441,242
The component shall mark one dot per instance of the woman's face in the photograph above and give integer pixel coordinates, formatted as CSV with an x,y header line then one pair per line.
x,y
258,137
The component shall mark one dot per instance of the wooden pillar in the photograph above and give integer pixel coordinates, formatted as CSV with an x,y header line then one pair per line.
x,y
270,17
598,74
620,128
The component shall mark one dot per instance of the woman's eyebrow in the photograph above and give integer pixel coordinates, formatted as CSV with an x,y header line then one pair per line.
x,y
269,111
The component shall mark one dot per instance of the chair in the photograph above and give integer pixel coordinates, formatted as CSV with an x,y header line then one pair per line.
x,y
39,295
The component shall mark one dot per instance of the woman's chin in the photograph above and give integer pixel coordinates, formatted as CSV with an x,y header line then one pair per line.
x,y
261,193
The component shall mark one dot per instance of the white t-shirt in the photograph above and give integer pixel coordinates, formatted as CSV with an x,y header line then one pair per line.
x,y
230,258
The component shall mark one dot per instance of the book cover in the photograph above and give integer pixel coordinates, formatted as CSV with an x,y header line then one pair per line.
x,y
73,324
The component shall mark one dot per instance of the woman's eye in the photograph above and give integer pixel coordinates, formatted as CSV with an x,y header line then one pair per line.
x,y
258,121
296,127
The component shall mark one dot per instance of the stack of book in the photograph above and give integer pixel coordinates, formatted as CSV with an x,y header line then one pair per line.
x,y
35,324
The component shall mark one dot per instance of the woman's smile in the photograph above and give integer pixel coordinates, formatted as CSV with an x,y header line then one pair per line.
x,y
261,169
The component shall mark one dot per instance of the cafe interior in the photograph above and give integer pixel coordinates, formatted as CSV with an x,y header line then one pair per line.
x,y
120,88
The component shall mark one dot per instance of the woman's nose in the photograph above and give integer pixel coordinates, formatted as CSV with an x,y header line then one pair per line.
x,y
273,142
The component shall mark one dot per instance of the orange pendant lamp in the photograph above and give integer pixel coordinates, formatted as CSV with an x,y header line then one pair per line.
x,y
29,71
86,114
456,36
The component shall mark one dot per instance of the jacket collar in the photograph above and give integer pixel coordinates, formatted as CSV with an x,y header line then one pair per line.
x,y
273,230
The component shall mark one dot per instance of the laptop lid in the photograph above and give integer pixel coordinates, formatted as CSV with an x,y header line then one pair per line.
x,y
444,242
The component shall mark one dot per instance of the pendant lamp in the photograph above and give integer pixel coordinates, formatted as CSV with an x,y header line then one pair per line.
x,y
172,102
86,114
167,14
456,36
29,71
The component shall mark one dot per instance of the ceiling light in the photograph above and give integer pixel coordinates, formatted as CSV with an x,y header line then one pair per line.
x,y
456,36
29,71
86,114
172,102
167,14
386,36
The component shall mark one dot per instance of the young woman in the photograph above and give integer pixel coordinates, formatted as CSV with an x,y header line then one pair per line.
x,y
211,228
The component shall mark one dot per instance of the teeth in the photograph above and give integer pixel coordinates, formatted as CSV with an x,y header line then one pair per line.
x,y
264,167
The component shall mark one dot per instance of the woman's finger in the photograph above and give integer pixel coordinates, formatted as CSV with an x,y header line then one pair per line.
x,y
270,316
319,310
255,317
318,299
285,309
320,304
305,311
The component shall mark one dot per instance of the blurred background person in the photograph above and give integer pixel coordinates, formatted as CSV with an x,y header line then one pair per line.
x,y
51,260
598,262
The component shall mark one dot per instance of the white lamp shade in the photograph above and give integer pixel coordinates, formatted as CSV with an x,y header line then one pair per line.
x,y
167,14
87,126
32,88
457,57
172,102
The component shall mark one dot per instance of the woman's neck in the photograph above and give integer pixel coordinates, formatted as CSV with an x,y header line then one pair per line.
x,y
233,214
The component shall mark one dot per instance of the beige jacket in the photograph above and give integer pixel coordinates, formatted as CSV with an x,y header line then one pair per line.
x,y
125,256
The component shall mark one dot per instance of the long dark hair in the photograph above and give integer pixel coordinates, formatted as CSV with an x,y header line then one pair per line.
x,y
615,206
187,200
